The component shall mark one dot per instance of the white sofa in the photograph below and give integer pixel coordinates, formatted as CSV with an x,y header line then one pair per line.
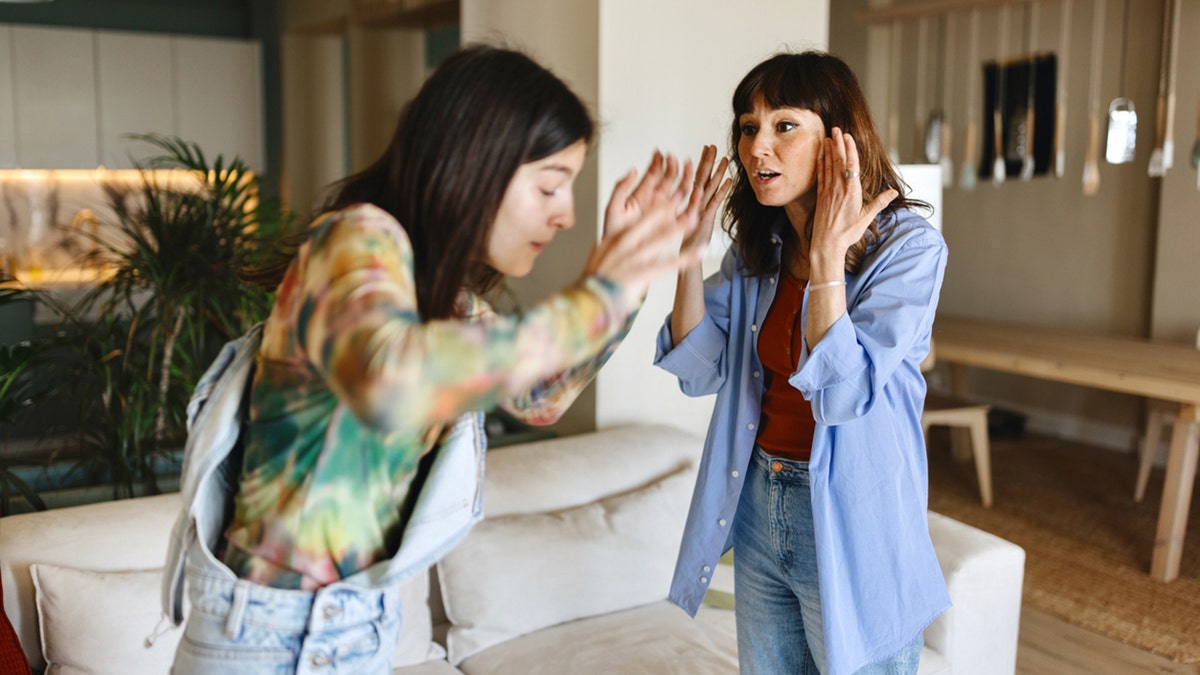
x,y
567,574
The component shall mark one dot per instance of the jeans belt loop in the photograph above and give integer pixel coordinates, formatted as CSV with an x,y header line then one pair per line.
x,y
237,609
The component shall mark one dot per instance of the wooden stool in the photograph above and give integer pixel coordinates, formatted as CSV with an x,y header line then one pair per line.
x,y
958,414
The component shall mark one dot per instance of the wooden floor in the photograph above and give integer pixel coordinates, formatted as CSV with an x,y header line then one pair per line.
x,y
1050,646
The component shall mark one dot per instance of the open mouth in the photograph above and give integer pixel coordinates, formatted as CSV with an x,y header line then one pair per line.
x,y
765,175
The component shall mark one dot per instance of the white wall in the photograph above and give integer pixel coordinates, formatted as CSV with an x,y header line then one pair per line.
x,y
670,92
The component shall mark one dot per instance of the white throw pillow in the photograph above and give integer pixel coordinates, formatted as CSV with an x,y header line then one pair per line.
x,y
97,622
517,574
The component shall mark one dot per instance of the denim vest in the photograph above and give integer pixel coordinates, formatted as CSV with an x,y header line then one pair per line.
x,y
449,504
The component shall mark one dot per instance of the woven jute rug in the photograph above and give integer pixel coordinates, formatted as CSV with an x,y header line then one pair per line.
x,y
1087,543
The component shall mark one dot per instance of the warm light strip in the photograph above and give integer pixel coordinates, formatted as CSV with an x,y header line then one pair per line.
x,y
89,175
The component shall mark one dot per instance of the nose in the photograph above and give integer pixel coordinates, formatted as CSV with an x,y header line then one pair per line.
x,y
565,219
760,145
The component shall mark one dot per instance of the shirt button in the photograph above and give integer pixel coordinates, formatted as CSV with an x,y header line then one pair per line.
x,y
707,568
332,611
704,580
734,474
721,522
320,660
753,327
757,374
772,279
750,427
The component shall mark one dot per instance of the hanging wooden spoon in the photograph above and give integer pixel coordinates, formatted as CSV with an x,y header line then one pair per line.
x,y
1196,146
969,169
1160,108
893,130
998,163
1060,117
1173,72
1091,160
947,90
1027,163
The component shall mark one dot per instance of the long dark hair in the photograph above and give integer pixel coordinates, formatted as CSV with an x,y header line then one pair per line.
x,y
825,85
481,115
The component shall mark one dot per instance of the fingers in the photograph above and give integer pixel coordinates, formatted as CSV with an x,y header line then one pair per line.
x,y
622,190
650,180
879,204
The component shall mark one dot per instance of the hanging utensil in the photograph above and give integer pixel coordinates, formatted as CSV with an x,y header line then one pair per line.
x,y
1163,156
1122,117
1091,161
1060,117
944,157
1027,163
1195,159
894,93
919,98
998,163
1196,144
969,169
1160,105
1172,75
931,146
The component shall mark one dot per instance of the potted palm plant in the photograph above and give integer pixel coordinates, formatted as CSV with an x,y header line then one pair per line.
x,y
173,294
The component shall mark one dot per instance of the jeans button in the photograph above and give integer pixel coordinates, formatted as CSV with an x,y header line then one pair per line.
x,y
777,466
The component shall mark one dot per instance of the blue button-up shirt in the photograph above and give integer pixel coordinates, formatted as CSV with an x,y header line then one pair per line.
x,y
880,580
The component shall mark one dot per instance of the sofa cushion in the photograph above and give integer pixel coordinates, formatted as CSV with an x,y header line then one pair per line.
x,y
97,622
652,639
416,643
517,574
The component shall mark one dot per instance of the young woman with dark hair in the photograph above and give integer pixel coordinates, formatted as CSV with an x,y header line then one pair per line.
x,y
363,436
811,335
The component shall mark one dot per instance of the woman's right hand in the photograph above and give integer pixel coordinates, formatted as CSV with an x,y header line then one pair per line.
x,y
708,192
645,228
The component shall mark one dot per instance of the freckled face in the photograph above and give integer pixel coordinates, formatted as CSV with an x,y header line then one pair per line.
x,y
778,148
538,202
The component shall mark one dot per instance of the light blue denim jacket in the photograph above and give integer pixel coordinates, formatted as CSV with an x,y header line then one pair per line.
x,y
880,580
449,504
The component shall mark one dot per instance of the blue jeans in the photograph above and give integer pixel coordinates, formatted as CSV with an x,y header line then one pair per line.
x,y
776,589
236,627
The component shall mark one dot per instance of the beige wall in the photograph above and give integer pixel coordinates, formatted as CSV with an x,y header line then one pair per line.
x,y
1041,252
344,84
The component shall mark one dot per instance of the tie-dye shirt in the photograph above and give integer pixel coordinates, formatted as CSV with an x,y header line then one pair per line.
x,y
351,389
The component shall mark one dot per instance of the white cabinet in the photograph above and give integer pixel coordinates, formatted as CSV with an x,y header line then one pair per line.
x,y
70,97
135,94
8,133
219,97
54,90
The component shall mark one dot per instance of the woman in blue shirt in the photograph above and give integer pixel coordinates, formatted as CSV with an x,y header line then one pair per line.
x,y
811,335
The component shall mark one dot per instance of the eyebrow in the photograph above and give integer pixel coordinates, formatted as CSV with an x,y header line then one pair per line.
x,y
563,168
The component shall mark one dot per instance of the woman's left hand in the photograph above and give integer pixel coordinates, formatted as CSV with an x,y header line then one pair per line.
x,y
841,217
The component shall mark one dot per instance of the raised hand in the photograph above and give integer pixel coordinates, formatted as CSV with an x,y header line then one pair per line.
x,y
841,217
708,191
644,227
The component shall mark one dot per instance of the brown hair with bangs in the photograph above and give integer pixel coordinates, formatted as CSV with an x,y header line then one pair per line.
x,y
825,85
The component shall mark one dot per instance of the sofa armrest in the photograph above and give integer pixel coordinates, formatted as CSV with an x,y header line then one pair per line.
x,y
984,575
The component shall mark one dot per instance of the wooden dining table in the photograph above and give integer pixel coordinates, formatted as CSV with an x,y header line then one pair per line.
x,y
1159,370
